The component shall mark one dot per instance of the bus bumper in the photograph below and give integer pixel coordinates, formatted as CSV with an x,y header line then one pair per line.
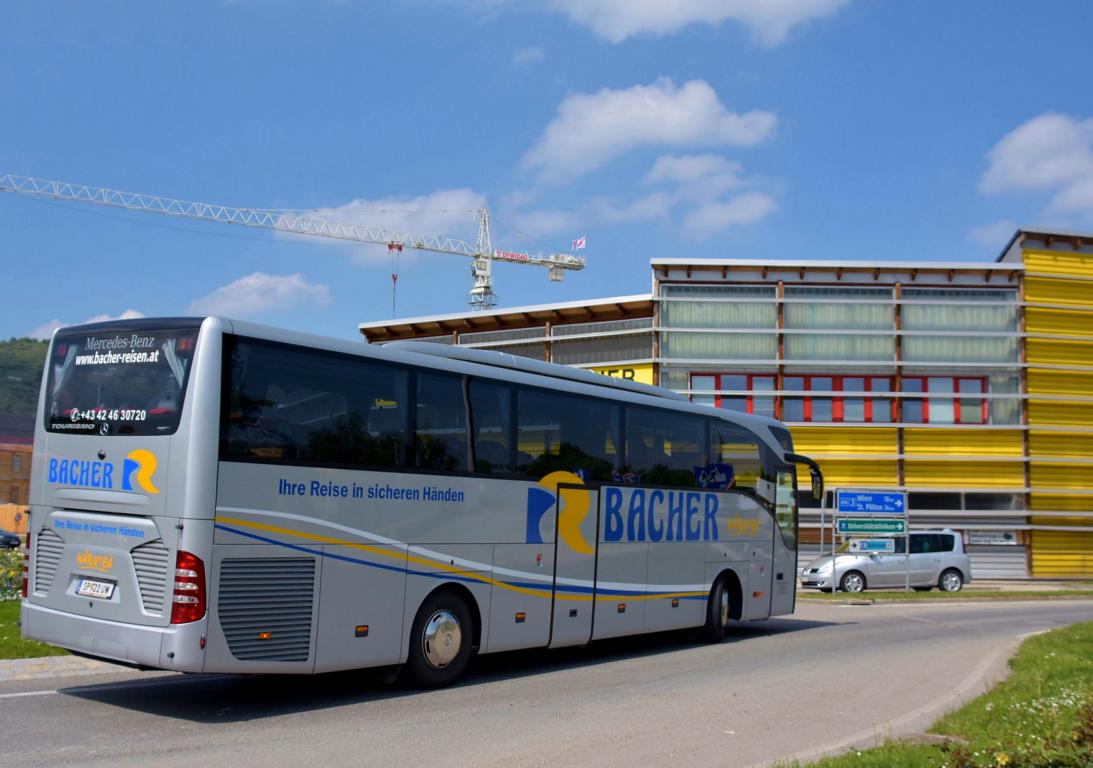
x,y
178,647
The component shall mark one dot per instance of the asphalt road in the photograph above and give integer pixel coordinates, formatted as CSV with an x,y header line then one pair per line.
x,y
825,678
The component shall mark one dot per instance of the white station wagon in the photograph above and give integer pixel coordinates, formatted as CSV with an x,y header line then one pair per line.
x,y
937,559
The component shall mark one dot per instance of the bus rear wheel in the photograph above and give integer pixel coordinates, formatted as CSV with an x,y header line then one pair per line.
x,y
440,641
717,613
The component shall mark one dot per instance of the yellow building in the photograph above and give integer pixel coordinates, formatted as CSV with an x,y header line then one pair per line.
x,y
14,486
968,385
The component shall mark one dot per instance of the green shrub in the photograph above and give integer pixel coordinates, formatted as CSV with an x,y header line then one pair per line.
x,y
11,574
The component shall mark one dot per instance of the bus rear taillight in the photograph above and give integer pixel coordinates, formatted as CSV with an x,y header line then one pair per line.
x,y
26,564
188,603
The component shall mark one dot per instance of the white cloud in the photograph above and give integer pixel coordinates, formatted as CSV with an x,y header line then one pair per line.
x,y
590,130
697,176
1076,197
549,221
442,211
1049,153
994,235
45,330
687,181
713,217
653,206
260,293
445,212
528,55
769,20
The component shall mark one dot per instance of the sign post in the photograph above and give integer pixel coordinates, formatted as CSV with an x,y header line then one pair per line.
x,y
877,517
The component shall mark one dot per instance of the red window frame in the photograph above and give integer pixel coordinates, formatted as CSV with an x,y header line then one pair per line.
x,y
956,396
749,377
838,410
838,396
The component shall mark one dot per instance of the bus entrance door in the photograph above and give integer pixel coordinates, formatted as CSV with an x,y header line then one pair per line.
x,y
577,509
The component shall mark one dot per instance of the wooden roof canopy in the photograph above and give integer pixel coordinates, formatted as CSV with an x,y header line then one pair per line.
x,y
505,320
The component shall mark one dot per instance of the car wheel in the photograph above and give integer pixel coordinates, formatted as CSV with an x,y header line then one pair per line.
x,y
717,613
440,641
852,581
951,581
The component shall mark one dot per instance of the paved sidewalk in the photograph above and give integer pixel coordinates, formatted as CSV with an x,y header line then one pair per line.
x,y
52,666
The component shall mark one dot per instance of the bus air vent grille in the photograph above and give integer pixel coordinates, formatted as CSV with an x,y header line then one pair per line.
x,y
265,607
48,548
150,563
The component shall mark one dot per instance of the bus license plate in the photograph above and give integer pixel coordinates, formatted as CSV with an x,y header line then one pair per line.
x,y
103,590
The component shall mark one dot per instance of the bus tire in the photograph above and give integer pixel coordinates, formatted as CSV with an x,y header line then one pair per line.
x,y
717,613
440,641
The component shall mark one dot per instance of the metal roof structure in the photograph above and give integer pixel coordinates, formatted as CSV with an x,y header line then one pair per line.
x,y
590,311
1050,239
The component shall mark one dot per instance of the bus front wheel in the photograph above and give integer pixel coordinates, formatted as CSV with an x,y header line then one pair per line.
x,y
440,641
717,613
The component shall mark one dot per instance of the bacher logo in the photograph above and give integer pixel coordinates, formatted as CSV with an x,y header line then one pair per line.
x,y
138,470
141,463
88,560
575,503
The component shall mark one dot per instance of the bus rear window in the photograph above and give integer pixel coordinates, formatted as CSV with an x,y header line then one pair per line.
x,y
118,382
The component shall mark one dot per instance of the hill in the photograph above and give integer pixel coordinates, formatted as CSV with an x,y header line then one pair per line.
x,y
21,362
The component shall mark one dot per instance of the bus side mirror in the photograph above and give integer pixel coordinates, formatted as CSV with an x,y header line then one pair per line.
x,y
817,484
813,470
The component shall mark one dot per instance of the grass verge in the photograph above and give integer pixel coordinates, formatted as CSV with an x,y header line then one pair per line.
x,y
1040,716
12,644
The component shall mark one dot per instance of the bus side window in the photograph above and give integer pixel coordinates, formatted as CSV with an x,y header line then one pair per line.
x,y
739,449
664,447
288,403
566,433
491,421
440,433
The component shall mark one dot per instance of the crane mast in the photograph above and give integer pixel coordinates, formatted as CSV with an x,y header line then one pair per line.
x,y
482,253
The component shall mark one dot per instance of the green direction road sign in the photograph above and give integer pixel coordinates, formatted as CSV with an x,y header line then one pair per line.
x,y
871,525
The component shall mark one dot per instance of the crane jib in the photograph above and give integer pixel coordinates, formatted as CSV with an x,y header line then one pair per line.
x,y
482,295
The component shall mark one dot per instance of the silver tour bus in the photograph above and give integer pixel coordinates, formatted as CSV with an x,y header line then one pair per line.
x,y
209,495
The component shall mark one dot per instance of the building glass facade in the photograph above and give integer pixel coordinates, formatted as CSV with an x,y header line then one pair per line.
x,y
969,386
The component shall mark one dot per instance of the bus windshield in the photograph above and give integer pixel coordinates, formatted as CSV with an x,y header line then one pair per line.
x,y
118,382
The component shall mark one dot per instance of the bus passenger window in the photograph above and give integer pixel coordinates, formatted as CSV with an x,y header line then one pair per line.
x,y
491,418
290,404
664,447
739,449
566,433
440,434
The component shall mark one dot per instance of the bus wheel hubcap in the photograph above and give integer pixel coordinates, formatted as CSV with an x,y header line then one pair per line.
x,y
442,639
724,608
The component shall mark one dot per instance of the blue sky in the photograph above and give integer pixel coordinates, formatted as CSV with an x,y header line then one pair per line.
x,y
838,129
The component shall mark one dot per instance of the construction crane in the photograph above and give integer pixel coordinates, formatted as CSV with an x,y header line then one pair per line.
x,y
482,253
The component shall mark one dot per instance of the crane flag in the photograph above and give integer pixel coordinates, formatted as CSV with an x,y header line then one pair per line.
x,y
579,243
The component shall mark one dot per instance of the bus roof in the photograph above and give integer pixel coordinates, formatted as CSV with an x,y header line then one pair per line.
x,y
488,363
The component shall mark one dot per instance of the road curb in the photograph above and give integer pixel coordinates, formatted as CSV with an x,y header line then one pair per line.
x,y
51,666
970,600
